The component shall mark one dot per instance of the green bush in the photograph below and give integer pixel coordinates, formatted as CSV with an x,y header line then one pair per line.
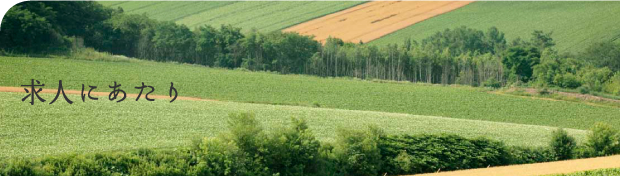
x,y
492,82
584,90
562,145
409,154
18,167
357,152
524,155
603,140
292,151
567,80
544,91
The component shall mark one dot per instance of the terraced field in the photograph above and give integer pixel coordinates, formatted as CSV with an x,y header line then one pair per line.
x,y
574,24
372,20
256,87
264,16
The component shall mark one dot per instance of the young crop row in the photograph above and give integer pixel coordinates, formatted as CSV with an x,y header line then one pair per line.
x,y
262,15
258,87
103,125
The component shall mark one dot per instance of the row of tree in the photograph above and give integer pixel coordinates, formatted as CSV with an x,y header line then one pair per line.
x,y
454,56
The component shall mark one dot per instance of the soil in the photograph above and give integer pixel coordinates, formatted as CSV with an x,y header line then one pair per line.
x,y
558,167
99,94
372,20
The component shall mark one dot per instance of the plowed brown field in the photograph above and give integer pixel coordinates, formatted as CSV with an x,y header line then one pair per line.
x,y
558,167
372,20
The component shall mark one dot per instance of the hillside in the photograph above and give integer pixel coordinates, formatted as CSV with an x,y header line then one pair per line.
x,y
256,87
574,24
103,125
265,16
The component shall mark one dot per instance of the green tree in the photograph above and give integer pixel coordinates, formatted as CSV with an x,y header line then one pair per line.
x,y
542,40
603,140
562,144
520,62
604,54
26,31
358,152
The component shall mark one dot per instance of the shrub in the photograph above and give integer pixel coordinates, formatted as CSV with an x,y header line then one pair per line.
x,y
613,85
544,91
18,167
584,90
293,151
409,154
357,152
567,80
562,144
492,82
603,140
525,155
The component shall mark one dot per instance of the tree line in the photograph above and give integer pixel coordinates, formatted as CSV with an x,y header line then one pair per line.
x,y
454,56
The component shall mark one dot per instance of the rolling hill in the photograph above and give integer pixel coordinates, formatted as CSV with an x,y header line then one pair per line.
x,y
575,25
264,16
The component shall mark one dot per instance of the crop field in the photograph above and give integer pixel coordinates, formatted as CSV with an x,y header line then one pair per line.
x,y
256,87
41,129
574,24
372,20
264,16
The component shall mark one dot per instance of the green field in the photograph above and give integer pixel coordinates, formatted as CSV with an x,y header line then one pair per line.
x,y
341,93
265,16
574,24
36,130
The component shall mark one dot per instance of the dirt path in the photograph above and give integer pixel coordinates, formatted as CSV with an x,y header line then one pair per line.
x,y
98,94
372,20
558,167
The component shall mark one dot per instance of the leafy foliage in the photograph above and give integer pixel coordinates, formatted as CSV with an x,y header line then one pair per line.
x,y
603,141
563,145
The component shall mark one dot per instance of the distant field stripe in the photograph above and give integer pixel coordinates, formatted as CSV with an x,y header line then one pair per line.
x,y
265,16
198,9
223,12
134,5
285,10
372,20
321,8
163,8
376,33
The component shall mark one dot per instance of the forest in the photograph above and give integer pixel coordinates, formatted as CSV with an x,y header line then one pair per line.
x,y
453,56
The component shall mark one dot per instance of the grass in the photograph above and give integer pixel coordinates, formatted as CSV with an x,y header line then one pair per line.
x,y
256,87
93,126
599,172
574,24
265,16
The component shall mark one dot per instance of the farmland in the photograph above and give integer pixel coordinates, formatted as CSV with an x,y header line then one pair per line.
x,y
104,125
372,20
264,16
254,99
574,24
340,93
